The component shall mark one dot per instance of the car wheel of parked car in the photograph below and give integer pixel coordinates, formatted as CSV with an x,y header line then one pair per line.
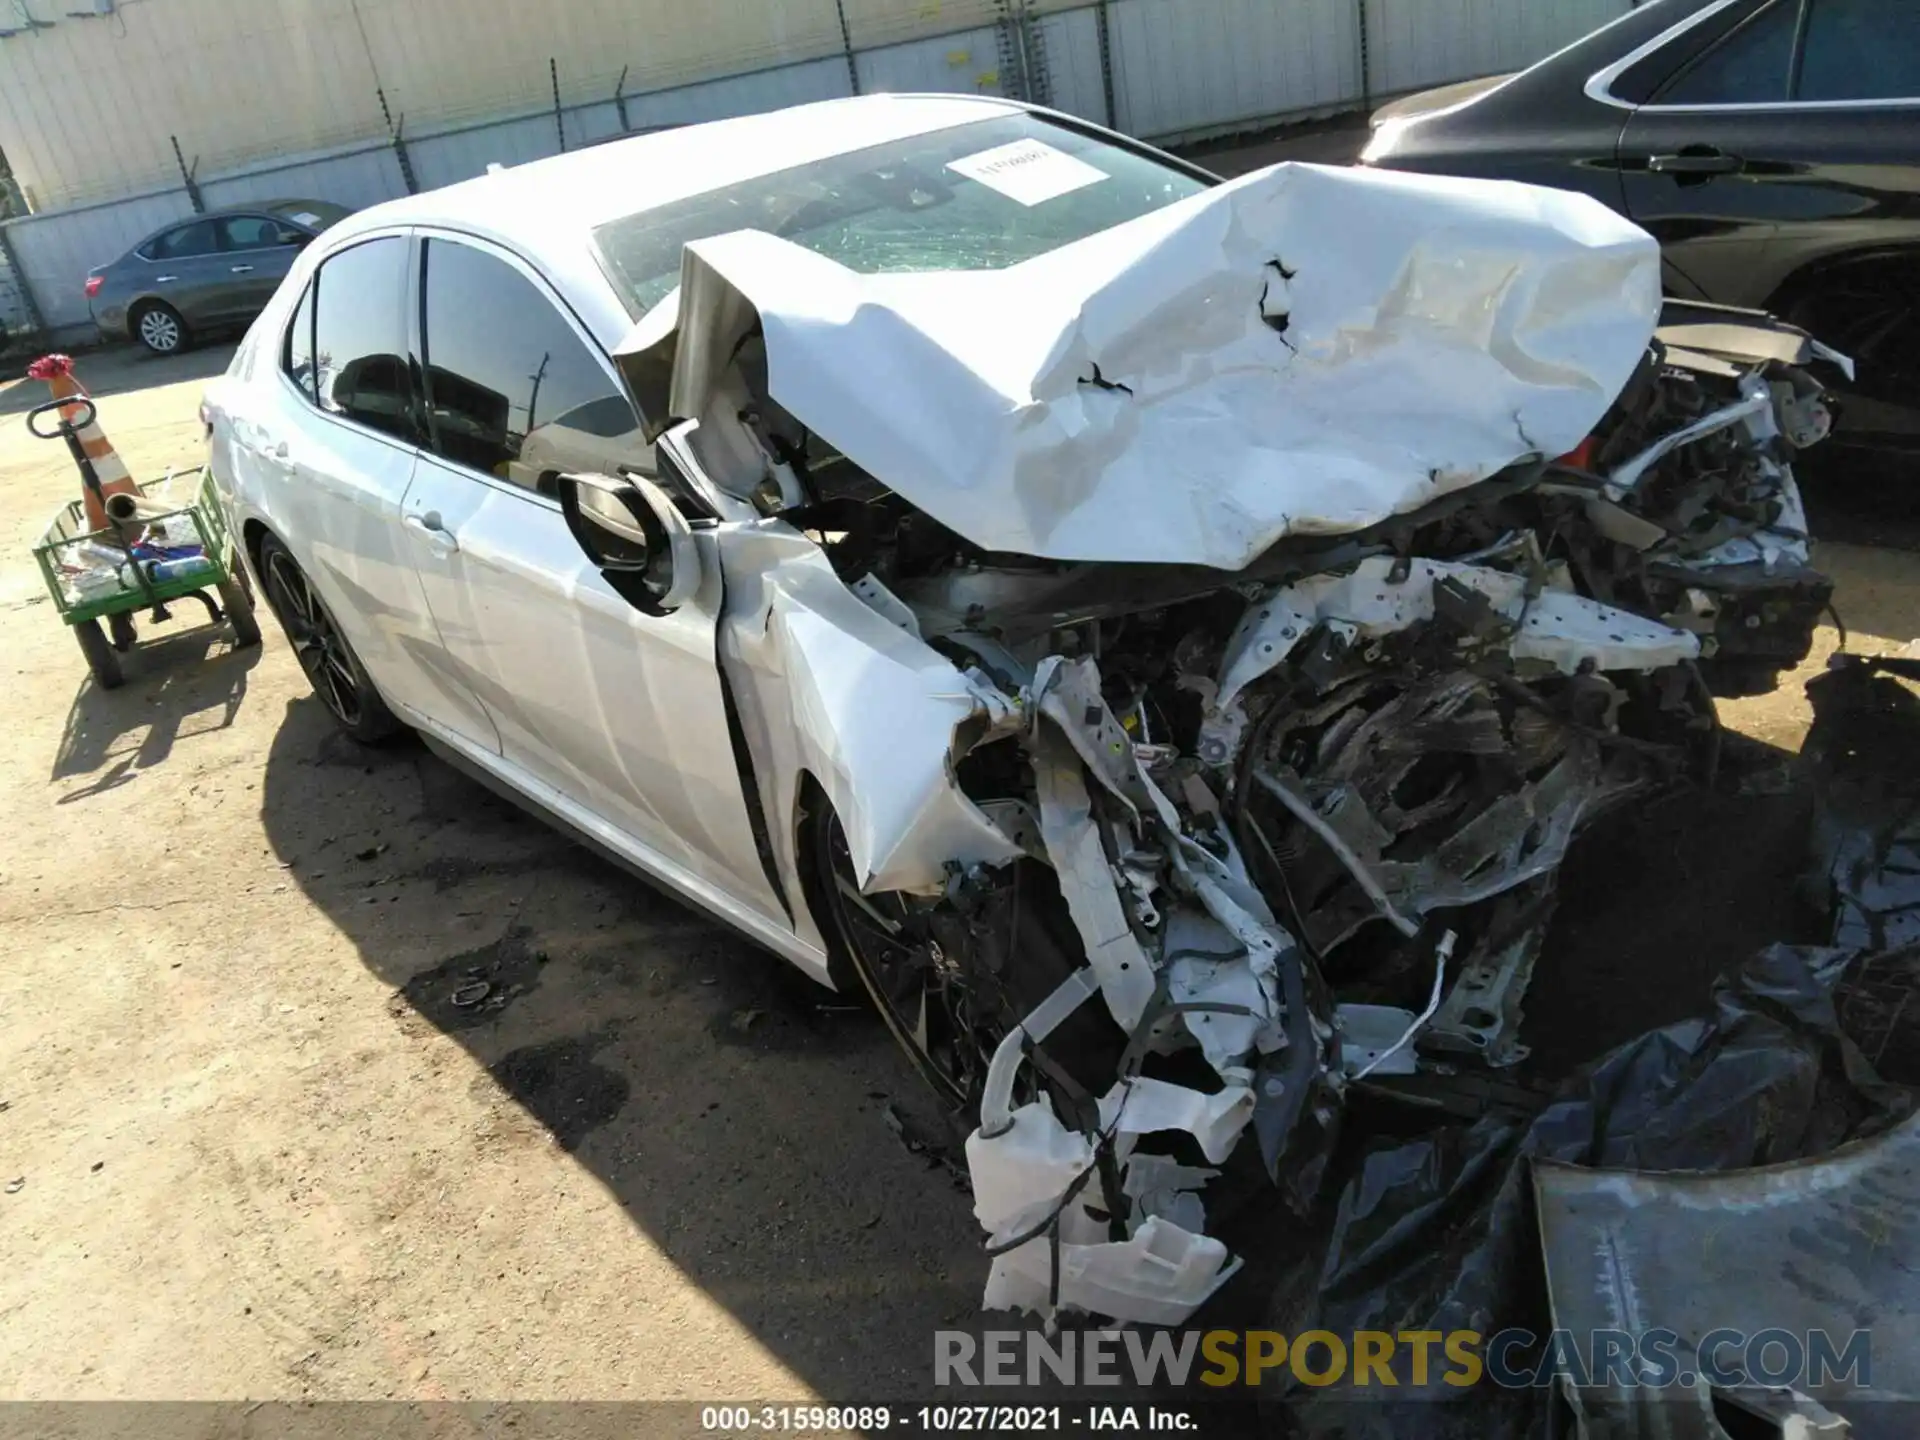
x,y
160,328
337,675
1870,313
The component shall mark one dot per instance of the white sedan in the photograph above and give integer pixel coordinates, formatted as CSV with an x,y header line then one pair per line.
x,y
1108,614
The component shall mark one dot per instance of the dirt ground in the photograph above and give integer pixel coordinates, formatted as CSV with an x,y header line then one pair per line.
x,y
252,1145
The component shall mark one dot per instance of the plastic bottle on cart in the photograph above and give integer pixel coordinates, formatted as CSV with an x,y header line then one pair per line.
x,y
161,571
91,585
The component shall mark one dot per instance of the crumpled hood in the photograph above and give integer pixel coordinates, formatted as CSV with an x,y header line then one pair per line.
x,y
1305,350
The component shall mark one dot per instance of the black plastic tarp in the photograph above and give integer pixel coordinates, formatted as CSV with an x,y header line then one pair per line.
x,y
1436,1232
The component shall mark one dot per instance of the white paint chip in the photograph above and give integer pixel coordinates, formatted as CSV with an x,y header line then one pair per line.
x,y
1028,171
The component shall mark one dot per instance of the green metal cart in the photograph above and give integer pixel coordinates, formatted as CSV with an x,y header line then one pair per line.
x,y
92,577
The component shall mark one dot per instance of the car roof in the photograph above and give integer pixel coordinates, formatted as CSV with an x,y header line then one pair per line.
x,y
546,210
533,207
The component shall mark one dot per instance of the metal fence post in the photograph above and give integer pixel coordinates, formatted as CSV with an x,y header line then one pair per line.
x,y
1023,60
194,197
620,100
846,46
1361,8
1103,30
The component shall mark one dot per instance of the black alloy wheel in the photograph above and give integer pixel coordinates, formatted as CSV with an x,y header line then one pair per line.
x,y
334,671
916,987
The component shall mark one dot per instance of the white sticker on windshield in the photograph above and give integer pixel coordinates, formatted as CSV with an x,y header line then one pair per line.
x,y
306,218
1028,171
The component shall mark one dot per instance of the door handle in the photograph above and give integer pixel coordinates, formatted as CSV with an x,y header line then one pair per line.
x,y
1696,162
164,279
241,270
434,529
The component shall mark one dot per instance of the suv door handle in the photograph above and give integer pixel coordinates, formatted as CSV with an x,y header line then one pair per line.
x,y
438,536
242,270
163,279
1696,162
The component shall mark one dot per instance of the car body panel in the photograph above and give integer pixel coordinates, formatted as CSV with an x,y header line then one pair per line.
x,y
588,696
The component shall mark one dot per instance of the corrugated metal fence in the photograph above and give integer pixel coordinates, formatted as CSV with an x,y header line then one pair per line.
x,y
1160,69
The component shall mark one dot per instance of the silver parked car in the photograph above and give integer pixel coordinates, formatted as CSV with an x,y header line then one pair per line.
x,y
205,273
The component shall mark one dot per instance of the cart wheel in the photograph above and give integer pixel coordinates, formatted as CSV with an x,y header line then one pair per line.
x,y
238,570
237,601
120,627
100,657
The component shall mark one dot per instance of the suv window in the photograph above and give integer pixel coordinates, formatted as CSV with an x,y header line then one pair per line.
x,y
296,356
184,242
1752,66
256,232
512,389
360,337
1860,50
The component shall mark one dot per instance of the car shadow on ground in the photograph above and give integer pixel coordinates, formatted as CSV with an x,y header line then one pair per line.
x,y
740,1114
737,1111
180,684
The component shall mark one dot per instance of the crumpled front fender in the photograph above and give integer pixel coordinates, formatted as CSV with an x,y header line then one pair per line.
x,y
827,687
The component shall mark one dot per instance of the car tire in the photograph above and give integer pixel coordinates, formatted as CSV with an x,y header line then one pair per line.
x,y
949,1044
333,669
158,326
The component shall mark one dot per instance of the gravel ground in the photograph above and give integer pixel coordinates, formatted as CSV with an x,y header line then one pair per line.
x,y
263,1150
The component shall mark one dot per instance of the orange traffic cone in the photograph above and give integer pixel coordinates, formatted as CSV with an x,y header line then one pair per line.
x,y
108,468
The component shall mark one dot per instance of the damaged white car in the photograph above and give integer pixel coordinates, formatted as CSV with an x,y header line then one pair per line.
x,y
1159,637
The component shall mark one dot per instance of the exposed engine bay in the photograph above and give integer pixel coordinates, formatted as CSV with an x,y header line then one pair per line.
x,y
1290,822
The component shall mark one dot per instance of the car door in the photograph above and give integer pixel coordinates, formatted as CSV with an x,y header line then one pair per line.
x,y
339,436
1782,169
186,270
621,714
258,251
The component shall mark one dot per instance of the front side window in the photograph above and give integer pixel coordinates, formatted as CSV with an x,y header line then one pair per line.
x,y
256,232
360,337
512,389
980,196
1752,66
296,355
184,242
1860,50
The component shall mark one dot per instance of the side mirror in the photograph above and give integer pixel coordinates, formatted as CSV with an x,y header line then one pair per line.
x,y
636,536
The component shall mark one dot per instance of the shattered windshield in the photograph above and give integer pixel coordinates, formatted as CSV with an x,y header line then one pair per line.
x,y
981,196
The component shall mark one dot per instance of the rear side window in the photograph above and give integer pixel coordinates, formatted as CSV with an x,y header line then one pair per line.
x,y
360,338
1752,66
184,242
1861,50
512,389
296,356
257,232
